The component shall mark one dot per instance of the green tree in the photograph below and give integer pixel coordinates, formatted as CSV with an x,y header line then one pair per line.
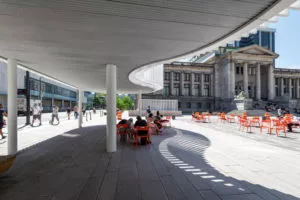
x,y
124,103
99,100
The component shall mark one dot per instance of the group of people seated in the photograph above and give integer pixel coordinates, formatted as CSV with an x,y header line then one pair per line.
x,y
154,123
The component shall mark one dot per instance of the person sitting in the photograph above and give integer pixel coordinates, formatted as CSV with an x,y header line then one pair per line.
x,y
141,122
131,130
158,125
124,130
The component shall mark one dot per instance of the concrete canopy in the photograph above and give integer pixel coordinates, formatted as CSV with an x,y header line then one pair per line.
x,y
72,40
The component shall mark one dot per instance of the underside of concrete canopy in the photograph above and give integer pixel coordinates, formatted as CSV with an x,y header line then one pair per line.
x,y
72,41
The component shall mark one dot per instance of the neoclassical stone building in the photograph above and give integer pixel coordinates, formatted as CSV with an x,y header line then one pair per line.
x,y
213,85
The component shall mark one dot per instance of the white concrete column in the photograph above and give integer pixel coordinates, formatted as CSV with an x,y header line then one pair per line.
x,y
171,83
232,75
12,146
271,82
192,84
182,83
80,100
297,88
140,106
290,88
246,78
111,86
202,84
281,86
258,82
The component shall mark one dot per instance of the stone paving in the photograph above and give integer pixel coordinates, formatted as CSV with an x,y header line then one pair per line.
x,y
191,161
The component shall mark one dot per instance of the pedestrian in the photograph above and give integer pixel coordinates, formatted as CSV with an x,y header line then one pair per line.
x,y
36,111
55,114
68,112
148,110
2,114
75,112
41,108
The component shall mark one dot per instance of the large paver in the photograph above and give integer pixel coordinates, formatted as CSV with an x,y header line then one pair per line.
x,y
192,162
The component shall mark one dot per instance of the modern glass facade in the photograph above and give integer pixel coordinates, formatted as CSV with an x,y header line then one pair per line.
x,y
264,38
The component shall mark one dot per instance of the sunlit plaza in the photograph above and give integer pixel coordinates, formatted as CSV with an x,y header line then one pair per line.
x,y
149,100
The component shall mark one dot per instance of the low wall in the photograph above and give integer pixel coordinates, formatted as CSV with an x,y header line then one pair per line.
x,y
164,113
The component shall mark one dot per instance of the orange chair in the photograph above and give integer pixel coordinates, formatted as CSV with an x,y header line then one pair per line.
x,y
122,129
279,125
138,135
231,118
266,124
223,117
244,123
255,121
267,116
119,115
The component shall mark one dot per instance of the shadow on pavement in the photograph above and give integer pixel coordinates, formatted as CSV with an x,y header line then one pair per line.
x,y
75,165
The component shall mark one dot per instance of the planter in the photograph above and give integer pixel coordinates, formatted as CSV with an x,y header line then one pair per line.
x,y
245,104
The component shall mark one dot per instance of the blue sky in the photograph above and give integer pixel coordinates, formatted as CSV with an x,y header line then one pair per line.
x,y
287,42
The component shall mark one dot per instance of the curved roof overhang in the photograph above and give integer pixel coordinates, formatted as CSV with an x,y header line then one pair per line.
x,y
72,41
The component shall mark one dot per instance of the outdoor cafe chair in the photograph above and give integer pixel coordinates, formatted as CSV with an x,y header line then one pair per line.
x,y
265,124
122,130
142,132
278,125
244,123
255,121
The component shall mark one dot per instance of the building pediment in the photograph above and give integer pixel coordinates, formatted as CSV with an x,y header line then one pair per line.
x,y
255,50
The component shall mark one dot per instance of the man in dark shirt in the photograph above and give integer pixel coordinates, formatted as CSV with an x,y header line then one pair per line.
x,y
141,122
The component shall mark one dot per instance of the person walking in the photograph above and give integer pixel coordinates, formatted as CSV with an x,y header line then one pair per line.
x,y
36,111
75,109
2,114
55,114
68,112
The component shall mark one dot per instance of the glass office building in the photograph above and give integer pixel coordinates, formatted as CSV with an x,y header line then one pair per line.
x,y
265,37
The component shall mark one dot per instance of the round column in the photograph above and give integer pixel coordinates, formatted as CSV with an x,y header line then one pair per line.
x,y
111,86
12,145
246,78
80,98
258,82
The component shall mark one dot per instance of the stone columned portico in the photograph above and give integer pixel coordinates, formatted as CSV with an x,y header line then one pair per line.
x,y
245,69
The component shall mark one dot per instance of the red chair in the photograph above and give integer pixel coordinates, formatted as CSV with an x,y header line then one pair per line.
x,y
244,123
122,129
138,135
279,125
266,124
255,121
231,118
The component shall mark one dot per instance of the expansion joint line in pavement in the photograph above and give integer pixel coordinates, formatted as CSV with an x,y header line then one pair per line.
x,y
180,137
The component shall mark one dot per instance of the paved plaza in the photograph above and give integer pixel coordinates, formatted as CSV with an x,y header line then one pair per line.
x,y
211,161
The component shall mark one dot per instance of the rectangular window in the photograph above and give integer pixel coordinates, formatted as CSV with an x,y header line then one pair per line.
x,y
242,70
199,105
206,77
186,91
206,90
167,90
237,70
167,76
176,76
176,89
277,81
187,77
197,77
197,90
188,105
